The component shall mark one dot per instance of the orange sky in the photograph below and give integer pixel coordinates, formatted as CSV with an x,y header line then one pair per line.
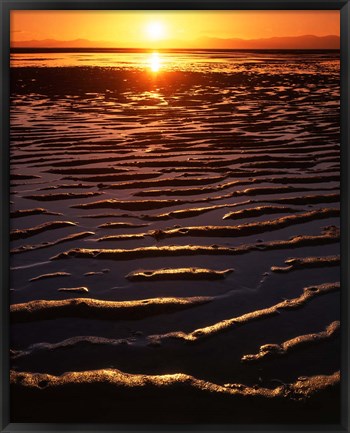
x,y
134,28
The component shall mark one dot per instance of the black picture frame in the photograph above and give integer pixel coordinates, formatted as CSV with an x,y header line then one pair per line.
x,y
5,8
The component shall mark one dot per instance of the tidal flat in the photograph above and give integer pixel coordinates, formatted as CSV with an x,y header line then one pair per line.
x,y
175,238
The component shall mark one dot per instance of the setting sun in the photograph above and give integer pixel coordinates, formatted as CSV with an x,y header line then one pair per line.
x,y
155,30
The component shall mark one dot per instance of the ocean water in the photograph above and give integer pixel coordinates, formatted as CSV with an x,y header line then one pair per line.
x,y
270,61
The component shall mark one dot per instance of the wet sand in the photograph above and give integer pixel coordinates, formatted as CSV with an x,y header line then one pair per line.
x,y
184,267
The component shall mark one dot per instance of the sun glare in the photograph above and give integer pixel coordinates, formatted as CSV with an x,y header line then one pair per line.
x,y
155,30
154,62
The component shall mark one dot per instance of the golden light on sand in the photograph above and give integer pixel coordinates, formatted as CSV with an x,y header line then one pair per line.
x,y
155,30
154,62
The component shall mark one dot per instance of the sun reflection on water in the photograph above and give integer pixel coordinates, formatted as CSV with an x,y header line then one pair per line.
x,y
154,62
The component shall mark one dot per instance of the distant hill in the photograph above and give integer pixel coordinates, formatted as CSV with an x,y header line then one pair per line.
x,y
288,42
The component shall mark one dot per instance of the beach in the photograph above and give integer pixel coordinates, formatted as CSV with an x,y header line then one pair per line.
x,y
175,237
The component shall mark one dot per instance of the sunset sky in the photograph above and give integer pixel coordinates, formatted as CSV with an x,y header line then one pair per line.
x,y
166,29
